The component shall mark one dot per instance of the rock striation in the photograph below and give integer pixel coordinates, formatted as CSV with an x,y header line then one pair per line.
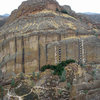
x,y
33,6
40,33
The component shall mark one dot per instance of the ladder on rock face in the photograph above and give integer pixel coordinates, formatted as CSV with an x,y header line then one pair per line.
x,y
81,52
59,53
55,55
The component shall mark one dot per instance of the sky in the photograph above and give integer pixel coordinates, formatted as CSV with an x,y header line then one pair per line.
x,y
7,6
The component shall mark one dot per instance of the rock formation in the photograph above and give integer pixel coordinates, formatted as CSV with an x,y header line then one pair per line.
x,y
3,20
33,6
40,33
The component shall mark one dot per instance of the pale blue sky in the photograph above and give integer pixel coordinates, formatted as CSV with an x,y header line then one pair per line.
x,y
6,6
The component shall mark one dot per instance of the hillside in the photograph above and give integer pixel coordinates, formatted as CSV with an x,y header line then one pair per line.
x,y
41,34
3,19
93,16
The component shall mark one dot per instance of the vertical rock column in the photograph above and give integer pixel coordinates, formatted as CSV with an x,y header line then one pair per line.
x,y
15,51
46,53
42,50
83,52
66,51
23,69
79,52
39,52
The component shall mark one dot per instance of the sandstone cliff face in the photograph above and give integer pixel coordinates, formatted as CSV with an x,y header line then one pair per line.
x,y
36,34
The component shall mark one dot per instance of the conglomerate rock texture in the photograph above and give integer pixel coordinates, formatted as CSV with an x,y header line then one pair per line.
x,y
37,34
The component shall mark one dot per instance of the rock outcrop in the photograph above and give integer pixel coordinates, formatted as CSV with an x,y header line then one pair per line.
x,y
40,33
33,6
89,87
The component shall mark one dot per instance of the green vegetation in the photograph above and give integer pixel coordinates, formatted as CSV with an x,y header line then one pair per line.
x,y
57,9
59,68
85,91
22,75
82,65
63,76
68,86
96,35
62,11
33,75
60,91
94,74
12,82
38,75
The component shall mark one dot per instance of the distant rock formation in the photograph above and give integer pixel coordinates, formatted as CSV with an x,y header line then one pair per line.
x,y
3,19
88,19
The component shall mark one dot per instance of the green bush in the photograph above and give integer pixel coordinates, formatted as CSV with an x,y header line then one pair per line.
x,y
64,63
59,68
63,76
68,85
94,74
60,91
64,11
57,9
85,91
96,35
52,67
82,65
33,75
22,75
12,82
38,75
